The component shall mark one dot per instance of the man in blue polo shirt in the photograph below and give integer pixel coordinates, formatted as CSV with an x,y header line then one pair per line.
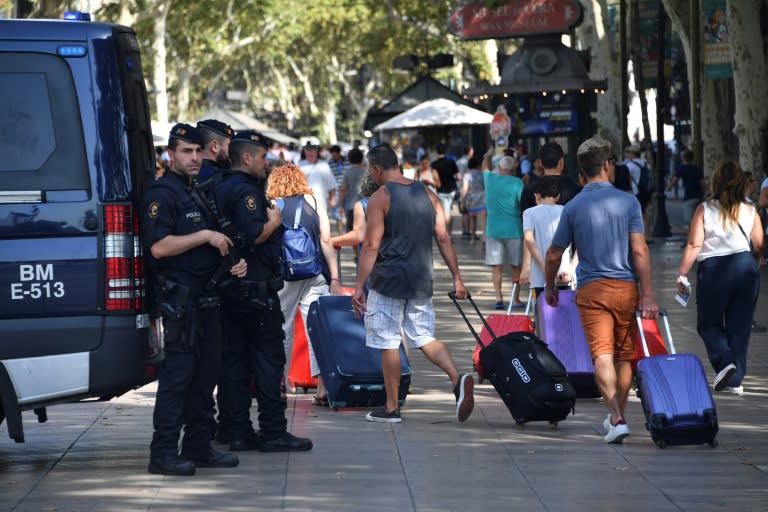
x,y
606,227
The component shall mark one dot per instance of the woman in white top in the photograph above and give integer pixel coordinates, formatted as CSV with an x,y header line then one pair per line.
x,y
724,238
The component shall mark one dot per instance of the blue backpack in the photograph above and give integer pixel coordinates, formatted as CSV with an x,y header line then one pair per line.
x,y
301,256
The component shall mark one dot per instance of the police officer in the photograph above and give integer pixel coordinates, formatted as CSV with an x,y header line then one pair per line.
x,y
252,316
216,138
185,253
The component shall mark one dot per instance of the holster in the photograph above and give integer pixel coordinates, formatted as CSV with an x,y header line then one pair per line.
x,y
259,294
178,310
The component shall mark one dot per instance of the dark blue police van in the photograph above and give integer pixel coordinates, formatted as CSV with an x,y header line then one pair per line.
x,y
76,151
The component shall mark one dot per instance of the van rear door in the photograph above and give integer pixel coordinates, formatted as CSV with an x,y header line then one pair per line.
x,y
48,213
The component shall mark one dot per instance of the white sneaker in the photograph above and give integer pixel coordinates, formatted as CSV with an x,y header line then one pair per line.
x,y
607,423
734,390
721,379
617,433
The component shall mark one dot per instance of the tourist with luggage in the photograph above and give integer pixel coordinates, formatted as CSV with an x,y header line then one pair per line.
x,y
397,255
289,188
606,225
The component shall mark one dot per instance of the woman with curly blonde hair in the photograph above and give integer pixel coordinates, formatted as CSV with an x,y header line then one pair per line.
x,y
288,187
725,238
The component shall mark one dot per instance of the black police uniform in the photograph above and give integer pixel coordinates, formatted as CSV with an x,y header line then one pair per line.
x,y
192,332
253,323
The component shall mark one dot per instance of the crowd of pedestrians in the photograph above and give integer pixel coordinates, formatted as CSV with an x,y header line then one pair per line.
x,y
214,220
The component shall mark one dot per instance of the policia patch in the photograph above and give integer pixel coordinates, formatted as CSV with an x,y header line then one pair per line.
x,y
250,202
154,207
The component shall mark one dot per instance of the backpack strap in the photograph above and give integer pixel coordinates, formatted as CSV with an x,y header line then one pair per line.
x,y
297,216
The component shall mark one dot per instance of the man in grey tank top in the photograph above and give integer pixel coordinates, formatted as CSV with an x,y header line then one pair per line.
x,y
403,217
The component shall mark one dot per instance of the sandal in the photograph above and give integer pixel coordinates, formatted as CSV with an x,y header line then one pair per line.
x,y
320,400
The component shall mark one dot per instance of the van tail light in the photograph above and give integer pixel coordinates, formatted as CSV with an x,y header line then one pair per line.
x,y
124,284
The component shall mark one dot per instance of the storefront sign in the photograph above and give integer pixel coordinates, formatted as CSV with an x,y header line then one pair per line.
x,y
475,20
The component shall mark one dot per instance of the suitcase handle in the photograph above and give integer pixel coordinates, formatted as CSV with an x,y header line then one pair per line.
x,y
515,284
663,314
452,296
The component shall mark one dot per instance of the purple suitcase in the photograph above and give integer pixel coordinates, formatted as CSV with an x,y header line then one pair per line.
x,y
675,394
561,330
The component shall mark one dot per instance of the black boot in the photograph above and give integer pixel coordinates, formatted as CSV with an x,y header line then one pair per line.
x,y
285,442
213,459
171,465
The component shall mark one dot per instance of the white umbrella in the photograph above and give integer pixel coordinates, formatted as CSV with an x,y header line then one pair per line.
x,y
438,112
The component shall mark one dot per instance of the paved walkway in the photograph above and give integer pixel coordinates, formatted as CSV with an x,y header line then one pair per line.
x,y
93,456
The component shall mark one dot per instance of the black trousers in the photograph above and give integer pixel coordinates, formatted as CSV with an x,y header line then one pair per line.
x,y
185,384
727,288
253,346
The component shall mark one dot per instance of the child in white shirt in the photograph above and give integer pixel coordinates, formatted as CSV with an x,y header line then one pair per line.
x,y
539,225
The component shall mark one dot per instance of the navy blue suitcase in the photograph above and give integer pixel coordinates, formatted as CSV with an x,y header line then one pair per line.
x,y
675,395
350,370
561,330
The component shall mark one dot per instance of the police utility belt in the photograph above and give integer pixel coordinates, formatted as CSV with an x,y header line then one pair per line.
x,y
176,299
260,289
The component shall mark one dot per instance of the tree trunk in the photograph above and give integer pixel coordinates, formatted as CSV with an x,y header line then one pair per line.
x,y
309,92
159,73
491,53
329,121
713,147
749,79
605,65
185,73
126,17
637,69
711,140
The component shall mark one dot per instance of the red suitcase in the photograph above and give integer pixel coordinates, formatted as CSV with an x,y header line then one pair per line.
x,y
502,324
654,340
299,372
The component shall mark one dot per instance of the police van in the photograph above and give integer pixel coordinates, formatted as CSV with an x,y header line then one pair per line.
x,y
77,151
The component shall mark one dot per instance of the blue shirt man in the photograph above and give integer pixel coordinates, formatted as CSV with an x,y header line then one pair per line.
x,y
605,225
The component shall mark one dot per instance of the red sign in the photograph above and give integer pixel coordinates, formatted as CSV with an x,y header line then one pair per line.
x,y
515,19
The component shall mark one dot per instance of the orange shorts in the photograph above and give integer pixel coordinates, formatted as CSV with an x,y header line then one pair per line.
x,y
607,310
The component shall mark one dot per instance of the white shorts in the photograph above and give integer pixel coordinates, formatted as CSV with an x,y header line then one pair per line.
x,y
503,251
386,318
446,199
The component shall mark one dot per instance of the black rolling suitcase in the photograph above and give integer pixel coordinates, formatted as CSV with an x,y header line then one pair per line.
x,y
529,378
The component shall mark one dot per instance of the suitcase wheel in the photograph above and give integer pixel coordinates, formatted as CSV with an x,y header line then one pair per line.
x,y
713,443
553,424
661,443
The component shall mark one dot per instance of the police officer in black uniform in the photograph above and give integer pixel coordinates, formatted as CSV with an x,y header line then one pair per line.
x,y
185,254
216,139
252,316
